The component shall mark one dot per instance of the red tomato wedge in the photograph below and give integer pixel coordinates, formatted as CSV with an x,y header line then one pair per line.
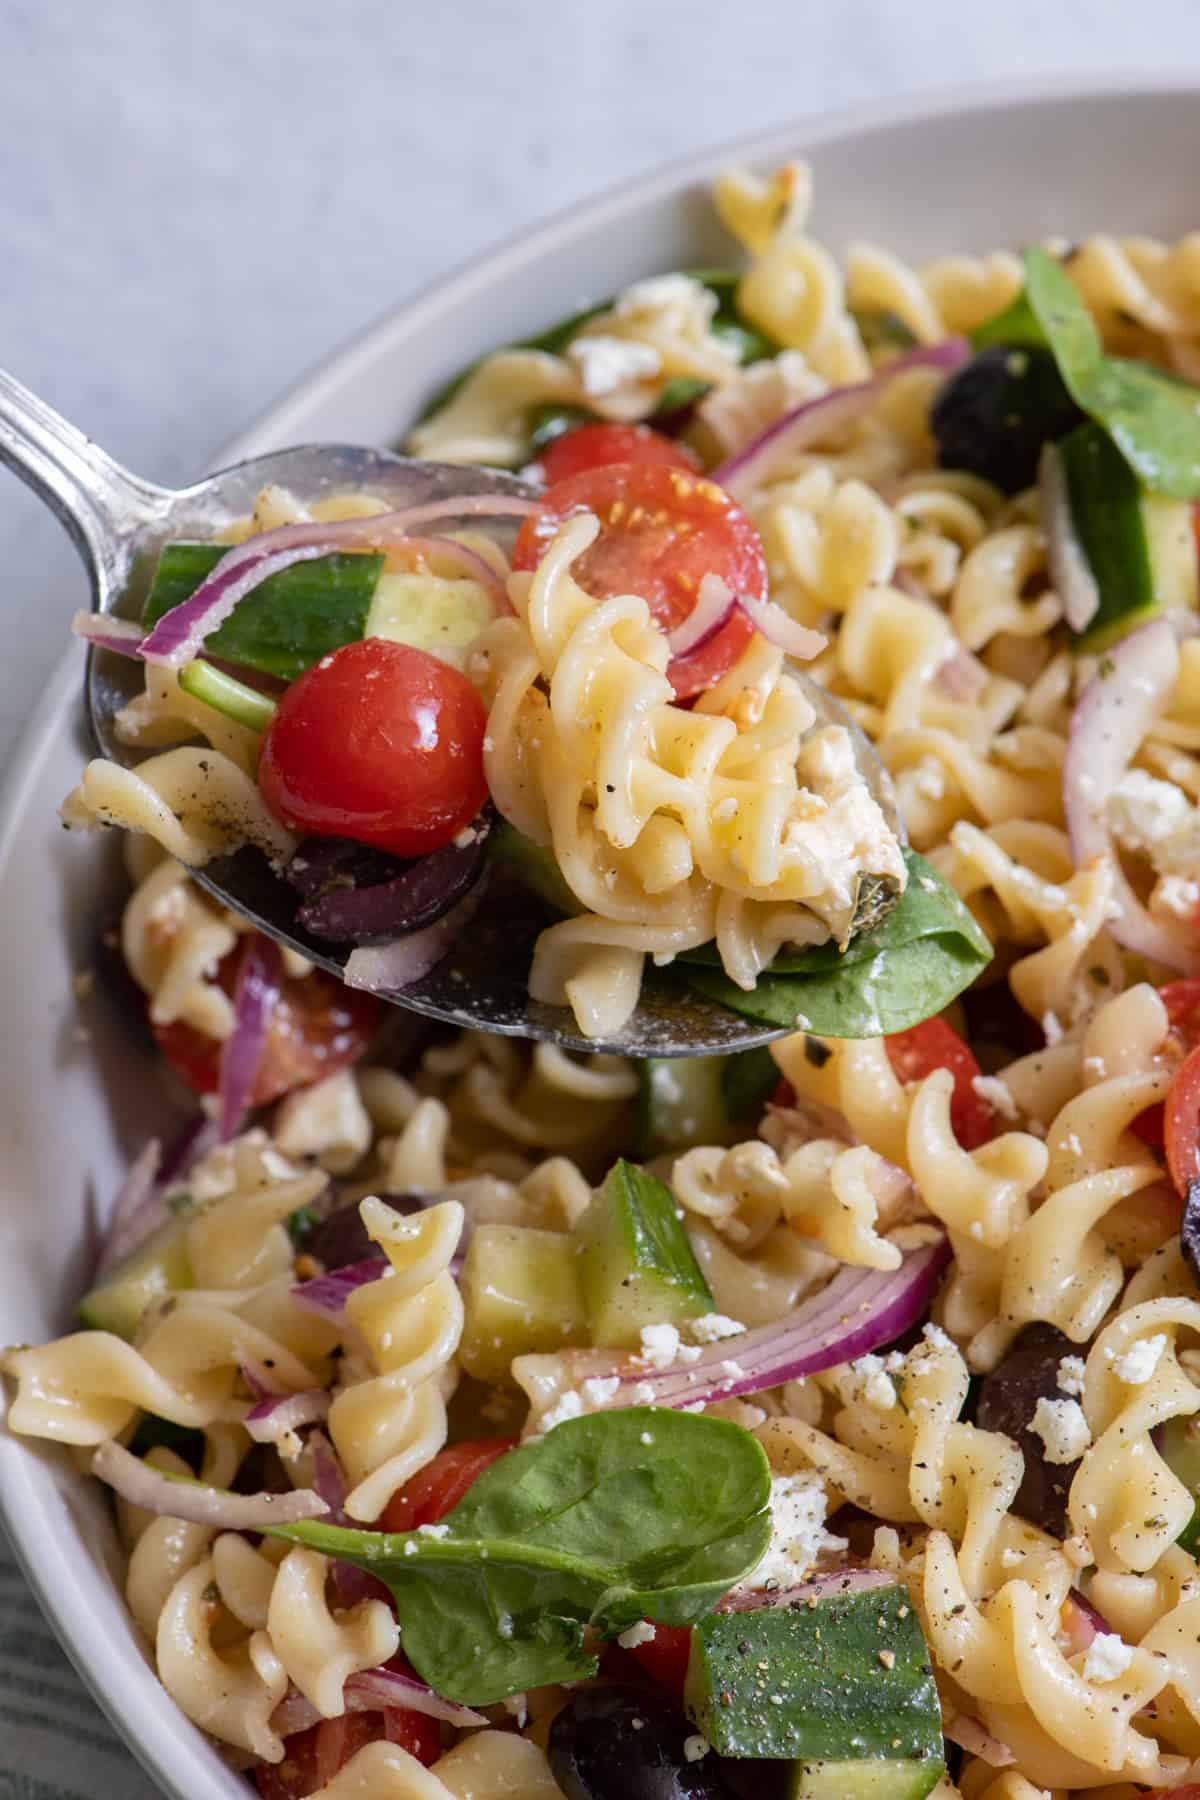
x,y
661,532
377,742
931,1045
1181,1124
312,1758
317,1027
664,1657
596,446
437,1488
1182,1001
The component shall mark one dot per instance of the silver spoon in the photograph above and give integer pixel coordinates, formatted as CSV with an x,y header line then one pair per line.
x,y
119,524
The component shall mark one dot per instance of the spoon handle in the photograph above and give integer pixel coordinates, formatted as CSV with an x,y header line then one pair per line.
x,y
101,504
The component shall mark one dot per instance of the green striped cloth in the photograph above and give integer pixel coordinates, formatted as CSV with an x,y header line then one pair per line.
x,y
55,1743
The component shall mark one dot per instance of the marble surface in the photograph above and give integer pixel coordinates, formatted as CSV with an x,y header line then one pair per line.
x,y
198,202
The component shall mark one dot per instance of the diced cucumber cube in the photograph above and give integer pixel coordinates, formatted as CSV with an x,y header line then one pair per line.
x,y
521,1293
637,1265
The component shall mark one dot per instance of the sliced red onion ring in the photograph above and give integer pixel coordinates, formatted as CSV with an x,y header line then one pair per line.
x,y
178,636
195,1141
805,1593
1117,708
469,562
962,676
138,1209
394,1684
860,1310
770,619
1081,1621
418,896
327,1294
967,1732
1070,570
118,635
271,1418
389,968
254,1000
786,437
350,1584
143,1485
258,1379
714,603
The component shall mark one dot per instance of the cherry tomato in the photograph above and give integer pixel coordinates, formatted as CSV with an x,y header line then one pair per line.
x,y
596,446
377,742
1182,1001
661,532
312,1758
434,1490
935,1045
1190,1792
664,1657
1181,1127
317,1026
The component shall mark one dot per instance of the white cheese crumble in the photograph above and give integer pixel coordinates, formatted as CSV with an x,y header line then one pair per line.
x,y
1140,1361
1062,1428
695,1747
598,1390
877,1390
935,1336
1070,1375
1143,813
433,1531
710,1328
605,364
1108,1657
567,1406
995,1094
1052,1029
1176,895
798,1535
641,1633
662,1348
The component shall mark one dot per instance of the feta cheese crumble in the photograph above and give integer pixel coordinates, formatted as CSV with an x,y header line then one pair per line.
x,y
1140,1361
798,1535
695,1748
710,1328
1108,1657
995,1094
1062,1428
605,364
641,1633
1070,1375
662,1348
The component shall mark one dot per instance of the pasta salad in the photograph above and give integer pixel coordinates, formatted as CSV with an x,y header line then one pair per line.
x,y
814,1421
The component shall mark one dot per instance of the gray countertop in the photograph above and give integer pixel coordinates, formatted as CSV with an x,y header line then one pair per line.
x,y
199,201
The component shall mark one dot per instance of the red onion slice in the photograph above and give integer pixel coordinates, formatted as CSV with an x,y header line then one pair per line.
x,y
967,1732
1117,708
143,1485
257,990
118,635
786,437
138,1209
389,968
961,677
394,1684
770,619
1070,570
714,603
271,1418
327,1294
178,636
859,1311
469,562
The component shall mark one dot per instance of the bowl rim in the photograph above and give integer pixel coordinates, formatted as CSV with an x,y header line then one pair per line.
x,y
170,1760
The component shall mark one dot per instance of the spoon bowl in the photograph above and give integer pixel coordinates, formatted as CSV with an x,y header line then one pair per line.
x,y
120,523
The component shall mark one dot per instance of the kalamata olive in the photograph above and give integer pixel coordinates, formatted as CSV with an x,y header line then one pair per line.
x,y
1008,1399
994,416
341,1237
617,1743
1189,1229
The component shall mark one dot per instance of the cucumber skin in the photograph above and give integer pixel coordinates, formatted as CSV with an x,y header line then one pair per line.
x,y
1105,503
1181,1453
838,1697
636,1267
155,1269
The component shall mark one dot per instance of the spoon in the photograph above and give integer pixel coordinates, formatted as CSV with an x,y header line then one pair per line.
x,y
120,522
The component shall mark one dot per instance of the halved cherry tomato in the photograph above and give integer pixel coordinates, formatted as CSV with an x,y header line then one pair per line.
x,y
1190,1792
377,742
434,1490
595,446
931,1045
1181,1127
317,1026
664,1657
661,532
1182,1001
312,1758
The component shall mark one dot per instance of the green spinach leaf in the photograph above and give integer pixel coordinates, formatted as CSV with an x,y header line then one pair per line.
x,y
287,623
908,967
643,1513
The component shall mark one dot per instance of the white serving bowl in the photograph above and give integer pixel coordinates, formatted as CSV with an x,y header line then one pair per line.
x,y
971,172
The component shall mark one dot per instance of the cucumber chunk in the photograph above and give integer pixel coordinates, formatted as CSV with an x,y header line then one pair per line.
x,y
689,1100
839,1685
156,1268
1178,1442
533,865
429,612
636,1265
1140,547
521,1293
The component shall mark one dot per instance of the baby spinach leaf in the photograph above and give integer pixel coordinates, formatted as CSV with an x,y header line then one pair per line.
x,y
1153,419
643,1513
1016,326
288,622
924,952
